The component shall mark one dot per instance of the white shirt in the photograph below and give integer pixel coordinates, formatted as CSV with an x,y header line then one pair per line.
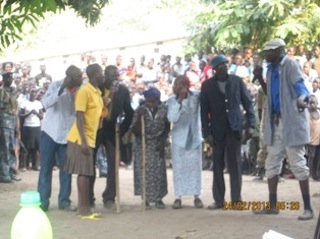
x,y
316,94
32,120
60,113
136,100
150,75
313,74
21,99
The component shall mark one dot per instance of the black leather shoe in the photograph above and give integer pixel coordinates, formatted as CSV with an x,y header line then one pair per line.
x,y
214,206
307,215
6,181
160,205
109,204
177,204
15,177
198,203
69,208
45,209
271,211
148,207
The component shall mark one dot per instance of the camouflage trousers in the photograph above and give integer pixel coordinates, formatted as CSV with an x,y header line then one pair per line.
x,y
7,159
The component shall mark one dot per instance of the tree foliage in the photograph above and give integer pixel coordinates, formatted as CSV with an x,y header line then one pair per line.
x,y
251,23
15,14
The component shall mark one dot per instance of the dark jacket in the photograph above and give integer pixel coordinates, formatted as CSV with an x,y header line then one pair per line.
x,y
121,105
219,110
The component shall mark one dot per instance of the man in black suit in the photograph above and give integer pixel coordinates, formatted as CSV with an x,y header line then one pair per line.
x,y
119,107
221,97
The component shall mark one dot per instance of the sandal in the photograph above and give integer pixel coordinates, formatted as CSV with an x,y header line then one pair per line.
x,y
92,216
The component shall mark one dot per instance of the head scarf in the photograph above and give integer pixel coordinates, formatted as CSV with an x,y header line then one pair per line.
x,y
152,92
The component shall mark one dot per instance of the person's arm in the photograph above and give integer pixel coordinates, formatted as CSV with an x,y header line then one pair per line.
x,y
136,121
246,101
176,105
260,102
81,103
260,114
1,98
51,97
39,111
128,111
301,88
205,112
257,72
17,130
162,143
23,112
40,114
174,110
80,124
303,95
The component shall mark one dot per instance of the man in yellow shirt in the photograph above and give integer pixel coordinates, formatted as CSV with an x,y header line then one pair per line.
x,y
82,136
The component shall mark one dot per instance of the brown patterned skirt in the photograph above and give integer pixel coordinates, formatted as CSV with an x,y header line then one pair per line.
x,y
77,162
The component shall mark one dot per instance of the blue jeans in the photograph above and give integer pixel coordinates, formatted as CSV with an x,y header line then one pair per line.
x,y
49,149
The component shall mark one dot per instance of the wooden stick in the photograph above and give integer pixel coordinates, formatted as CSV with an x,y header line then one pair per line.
x,y
143,163
317,232
117,162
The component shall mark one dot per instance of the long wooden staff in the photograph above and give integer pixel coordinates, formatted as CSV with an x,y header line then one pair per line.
x,y
117,162
317,232
143,163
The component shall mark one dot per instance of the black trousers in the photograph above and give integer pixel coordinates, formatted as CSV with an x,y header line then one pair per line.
x,y
109,193
231,146
313,152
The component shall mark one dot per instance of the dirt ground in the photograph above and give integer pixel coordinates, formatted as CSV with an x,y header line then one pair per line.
x,y
185,223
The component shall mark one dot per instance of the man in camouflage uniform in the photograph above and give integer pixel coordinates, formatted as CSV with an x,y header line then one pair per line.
x,y
8,122
262,153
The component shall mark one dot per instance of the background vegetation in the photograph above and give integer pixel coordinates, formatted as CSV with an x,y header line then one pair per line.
x,y
226,24
211,24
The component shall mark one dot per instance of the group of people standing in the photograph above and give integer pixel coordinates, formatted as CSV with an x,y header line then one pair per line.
x,y
86,117
79,117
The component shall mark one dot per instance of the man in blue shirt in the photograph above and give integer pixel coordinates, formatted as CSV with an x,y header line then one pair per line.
x,y
286,123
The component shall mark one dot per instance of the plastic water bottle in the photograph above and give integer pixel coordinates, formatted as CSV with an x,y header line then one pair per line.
x,y
31,222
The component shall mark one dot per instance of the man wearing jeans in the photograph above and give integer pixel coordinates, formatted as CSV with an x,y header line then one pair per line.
x,y
60,115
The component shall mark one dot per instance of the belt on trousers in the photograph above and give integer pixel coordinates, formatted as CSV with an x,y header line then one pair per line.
x,y
276,118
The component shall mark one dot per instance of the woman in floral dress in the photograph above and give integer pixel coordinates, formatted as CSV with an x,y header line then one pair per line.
x,y
156,133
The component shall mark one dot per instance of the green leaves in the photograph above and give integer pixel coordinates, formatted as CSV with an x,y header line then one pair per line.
x,y
14,14
249,22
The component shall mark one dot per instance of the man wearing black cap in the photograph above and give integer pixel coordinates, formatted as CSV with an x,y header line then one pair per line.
x,y
286,125
8,125
221,97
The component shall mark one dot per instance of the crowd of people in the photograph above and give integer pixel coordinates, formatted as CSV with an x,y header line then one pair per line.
x,y
243,112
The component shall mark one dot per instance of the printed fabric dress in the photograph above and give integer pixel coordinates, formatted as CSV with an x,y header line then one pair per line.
x,y
156,175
